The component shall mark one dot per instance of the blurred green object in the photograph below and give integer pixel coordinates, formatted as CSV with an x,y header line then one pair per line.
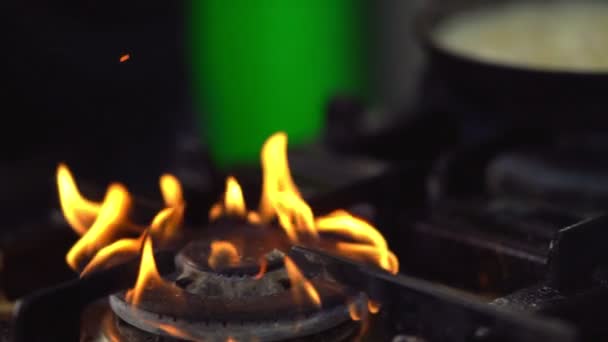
x,y
261,66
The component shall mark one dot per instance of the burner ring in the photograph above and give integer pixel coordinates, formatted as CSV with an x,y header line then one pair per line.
x,y
211,304
269,318
193,307
206,304
341,332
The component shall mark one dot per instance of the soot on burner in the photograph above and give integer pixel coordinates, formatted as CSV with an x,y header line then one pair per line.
x,y
235,301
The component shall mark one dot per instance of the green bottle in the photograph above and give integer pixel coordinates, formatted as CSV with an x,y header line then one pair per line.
x,y
261,66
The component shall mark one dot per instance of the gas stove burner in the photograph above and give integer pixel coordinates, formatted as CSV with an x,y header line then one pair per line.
x,y
238,302
128,333
565,178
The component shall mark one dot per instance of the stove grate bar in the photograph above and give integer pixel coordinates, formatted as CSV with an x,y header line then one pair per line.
x,y
446,314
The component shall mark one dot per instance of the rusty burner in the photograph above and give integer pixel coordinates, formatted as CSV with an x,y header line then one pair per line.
x,y
234,301
234,280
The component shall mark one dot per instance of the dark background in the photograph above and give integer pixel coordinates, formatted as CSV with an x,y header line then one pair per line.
x,y
66,96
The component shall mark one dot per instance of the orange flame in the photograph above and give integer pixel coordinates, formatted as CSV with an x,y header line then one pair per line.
x,y
364,252
102,224
171,190
294,215
373,307
121,247
354,310
112,213
223,253
281,199
358,313
280,195
148,275
99,223
77,210
164,224
300,286
233,204
341,222
124,58
175,332
263,268
277,176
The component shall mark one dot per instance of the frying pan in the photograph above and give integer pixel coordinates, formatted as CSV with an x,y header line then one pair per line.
x,y
539,98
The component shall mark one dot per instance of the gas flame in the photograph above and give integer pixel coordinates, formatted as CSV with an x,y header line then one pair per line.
x,y
341,222
364,252
148,275
103,225
263,268
294,215
164,224
173,196
280,195
78,211
112,213
125,246
223,253
358,313
281,199
300,286
277,176
233,204
373,307
175,332
355,311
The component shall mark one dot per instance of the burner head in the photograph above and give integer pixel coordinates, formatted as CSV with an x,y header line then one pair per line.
x,y
235,301
128,333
